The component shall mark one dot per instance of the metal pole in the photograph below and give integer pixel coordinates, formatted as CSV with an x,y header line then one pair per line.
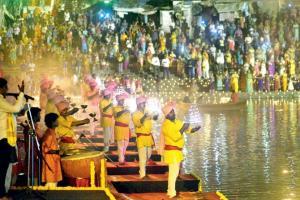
x,y
34,140
28,159
32,163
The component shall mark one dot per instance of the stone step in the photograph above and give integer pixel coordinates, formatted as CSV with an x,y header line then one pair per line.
x,y
100,146
163,195
153,183
99,139
131,168
131,156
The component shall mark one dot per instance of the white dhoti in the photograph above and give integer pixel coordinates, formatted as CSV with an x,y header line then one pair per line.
x,y
144,155
93,124
122,146
173,173
108,137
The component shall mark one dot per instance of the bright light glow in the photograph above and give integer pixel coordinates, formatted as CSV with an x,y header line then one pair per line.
x,y
75,79
130,104
153,106
285,171
107,1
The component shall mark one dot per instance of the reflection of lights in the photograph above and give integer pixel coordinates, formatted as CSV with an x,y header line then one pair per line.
x,y
107,1
285,171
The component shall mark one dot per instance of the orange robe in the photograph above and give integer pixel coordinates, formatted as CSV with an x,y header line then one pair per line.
x,y
53,160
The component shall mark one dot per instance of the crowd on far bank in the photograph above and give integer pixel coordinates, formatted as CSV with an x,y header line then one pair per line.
x,y
255,52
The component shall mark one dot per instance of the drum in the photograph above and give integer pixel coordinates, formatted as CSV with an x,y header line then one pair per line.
x,y
78,165
71,152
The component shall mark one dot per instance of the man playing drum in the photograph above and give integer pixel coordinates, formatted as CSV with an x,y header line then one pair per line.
x,y
65,124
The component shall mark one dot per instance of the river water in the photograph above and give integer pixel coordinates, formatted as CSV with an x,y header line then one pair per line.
x,y
250,154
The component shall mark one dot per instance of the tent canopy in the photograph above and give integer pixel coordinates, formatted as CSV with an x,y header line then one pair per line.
x,y
221,8
134,6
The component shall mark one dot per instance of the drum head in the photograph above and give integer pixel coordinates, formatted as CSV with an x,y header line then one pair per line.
x,y
71,152
82,154
78,165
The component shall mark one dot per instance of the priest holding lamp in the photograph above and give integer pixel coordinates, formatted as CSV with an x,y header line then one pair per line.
x,y
143,127
172,131
106,110
122,131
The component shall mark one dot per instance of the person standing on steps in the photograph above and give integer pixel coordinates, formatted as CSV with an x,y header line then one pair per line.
x,y
143,126
106,110
121,130
172,130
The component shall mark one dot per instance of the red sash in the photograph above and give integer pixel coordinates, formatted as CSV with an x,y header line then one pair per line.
x,y
67,140
170,147
106,115
145,134
142,134
121,124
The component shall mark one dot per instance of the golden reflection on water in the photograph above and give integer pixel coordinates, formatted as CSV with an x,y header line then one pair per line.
x,y
249,154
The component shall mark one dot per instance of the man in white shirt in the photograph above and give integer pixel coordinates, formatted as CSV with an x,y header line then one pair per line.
x,y
220,61
166,64
156,65
213,51
8,134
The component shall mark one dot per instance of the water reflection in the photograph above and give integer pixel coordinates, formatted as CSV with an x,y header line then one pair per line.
x,y
250,154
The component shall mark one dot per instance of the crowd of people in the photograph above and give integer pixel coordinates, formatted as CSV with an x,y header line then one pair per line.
x,y
258,51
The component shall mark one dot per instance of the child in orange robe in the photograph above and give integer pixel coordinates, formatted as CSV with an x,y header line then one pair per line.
x,y
51,172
